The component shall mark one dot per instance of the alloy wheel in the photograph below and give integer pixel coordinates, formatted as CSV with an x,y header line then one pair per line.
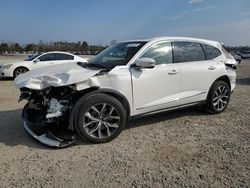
x,y
221,97
101,120
20,71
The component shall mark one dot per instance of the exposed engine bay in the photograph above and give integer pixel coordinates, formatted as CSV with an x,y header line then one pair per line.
x,y
46,115
51,95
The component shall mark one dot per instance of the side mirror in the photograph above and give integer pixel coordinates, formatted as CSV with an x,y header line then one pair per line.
x,y
36,60
144,63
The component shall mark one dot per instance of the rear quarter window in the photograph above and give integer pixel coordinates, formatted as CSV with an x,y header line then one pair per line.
x,y
211,52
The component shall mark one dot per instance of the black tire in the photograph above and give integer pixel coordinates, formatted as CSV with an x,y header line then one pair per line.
x,y
211,99
20,70
85,104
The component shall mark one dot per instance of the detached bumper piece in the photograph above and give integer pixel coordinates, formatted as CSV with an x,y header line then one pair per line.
x,y
49,134
49,138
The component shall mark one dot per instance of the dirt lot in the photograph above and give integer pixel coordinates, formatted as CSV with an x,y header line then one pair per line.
x,y
186,148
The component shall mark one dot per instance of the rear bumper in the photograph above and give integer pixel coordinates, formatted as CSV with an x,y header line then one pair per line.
x,y
232,77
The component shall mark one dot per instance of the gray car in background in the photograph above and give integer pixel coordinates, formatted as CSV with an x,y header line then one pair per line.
x,y
236,56
244,54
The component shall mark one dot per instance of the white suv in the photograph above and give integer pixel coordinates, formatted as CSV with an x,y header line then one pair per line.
x,y
130,78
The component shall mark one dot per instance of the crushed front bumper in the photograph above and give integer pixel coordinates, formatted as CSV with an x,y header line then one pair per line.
x,y
49,138
48,134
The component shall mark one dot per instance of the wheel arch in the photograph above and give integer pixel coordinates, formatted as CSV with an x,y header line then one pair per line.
x,y
119,96
224,78
22,66
95,90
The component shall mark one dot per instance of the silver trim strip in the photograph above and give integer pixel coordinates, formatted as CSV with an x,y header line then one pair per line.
x,y
171,108
194,95
171,101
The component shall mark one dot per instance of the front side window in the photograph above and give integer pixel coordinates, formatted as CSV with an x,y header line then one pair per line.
x,y
161,53
48,57
211,52
32,57
118,54
187,52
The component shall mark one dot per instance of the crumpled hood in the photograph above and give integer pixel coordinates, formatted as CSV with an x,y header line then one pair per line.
x,y
58,75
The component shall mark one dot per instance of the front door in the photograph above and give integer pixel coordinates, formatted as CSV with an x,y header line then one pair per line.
x,y
156,88
45,60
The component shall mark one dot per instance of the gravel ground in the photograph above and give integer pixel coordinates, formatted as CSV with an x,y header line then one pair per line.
x,y
186,148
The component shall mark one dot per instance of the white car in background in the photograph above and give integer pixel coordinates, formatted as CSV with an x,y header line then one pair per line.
x,y
38,61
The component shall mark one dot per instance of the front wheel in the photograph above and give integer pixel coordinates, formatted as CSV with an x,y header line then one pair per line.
x,y
99,118
19,70
218,97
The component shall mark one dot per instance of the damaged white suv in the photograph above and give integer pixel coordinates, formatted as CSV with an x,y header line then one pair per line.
x,y
130,78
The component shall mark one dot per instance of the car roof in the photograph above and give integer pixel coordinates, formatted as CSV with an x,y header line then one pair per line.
x,y
158,39
61,52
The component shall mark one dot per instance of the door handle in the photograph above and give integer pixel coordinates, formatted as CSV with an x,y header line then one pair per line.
x,y
173,72
212,67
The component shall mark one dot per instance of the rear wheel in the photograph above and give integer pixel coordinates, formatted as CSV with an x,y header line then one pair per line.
x,y
99,118
218,97
20,70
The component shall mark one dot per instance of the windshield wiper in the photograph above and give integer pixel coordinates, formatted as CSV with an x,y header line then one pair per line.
x,y
91,65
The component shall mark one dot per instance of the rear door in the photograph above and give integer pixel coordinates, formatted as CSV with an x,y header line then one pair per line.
x,y
63,58
198,69
156,88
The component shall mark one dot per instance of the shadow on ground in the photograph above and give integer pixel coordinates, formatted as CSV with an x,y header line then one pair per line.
x,y
243,81
6,79
13,134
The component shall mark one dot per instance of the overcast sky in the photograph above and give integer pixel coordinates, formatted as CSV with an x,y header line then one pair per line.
x,y
100,21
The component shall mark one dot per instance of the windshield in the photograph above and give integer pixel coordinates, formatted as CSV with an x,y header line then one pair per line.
x,y
32,57
118,54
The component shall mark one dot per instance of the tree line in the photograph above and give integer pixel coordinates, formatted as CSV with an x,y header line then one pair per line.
x,y
80,48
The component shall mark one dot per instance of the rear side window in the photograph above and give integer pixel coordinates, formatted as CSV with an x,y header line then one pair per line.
x,y
64,57
47,57
211,52
187,52
161,53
